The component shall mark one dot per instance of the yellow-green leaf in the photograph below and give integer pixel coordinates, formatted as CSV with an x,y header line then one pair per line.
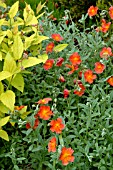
x,y
2,21
4,120
3,108
31,20
31,61
39,7
0,56
2,4
60,47
43,57
14,9
18,82
28,41
4,75
4,135
8,99
17,47
1,88
39,39
9,64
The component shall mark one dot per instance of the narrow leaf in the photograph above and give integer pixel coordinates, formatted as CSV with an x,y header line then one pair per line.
x,y
60,47
4,135
17,47
14,9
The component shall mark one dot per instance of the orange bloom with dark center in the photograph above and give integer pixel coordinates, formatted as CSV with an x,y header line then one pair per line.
x,y
105,26
61,79
110,80
44,101
44,112
48,64
66,155
57,37
89,76
111,12
36,123
52,145
75,59
92,11
66,93
80,88
59,61
49,47
19,107
106,52
99,67
73,68
57,125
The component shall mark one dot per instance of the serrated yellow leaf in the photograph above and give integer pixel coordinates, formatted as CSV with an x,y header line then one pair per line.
x,y
18,82
8,99
4,135
14,9
17,47
4,120
60,47
4,75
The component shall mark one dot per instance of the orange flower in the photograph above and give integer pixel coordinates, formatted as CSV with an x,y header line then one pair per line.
x,y
99,67
59,61
66,93
44,112
105,26
73,67
110,80
61,79
75,59
106,52
89,76
111,12
57,125
44,101
49,47
57,37
92,11
36,123
66,155
19,107
48,64
52,145
80,88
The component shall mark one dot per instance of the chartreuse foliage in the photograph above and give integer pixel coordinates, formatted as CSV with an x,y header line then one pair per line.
x,y
20,46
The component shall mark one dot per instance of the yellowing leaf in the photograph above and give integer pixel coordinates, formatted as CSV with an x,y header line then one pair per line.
x,y
17,47
31,61
4,135
8,99
60,47
39,39
28,41
4,75
3,108
4,120
1,88
2,4
18,82
43,57
31,20
9,64
14,9
39,7
2,21
0,56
